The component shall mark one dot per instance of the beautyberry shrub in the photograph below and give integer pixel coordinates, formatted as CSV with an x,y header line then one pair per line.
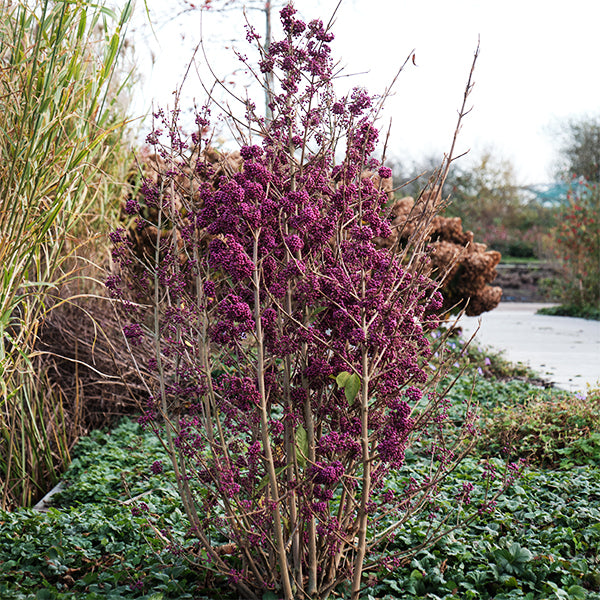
x,y
291,353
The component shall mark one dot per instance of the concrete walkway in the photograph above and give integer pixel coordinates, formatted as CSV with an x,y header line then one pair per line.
x,y
563,350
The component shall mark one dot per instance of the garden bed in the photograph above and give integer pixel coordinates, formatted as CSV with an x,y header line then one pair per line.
x,y
540,541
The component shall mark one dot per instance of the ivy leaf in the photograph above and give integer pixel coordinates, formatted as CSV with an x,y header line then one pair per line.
x,y
577,592
301,446
520,554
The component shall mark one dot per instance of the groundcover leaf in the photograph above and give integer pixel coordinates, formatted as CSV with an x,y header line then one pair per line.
x,y
576,592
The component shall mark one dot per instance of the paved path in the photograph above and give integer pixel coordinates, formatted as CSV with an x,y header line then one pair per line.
x,y
563,350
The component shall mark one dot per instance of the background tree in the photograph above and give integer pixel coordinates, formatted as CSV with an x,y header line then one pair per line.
x,y
490,202
577,234
579,147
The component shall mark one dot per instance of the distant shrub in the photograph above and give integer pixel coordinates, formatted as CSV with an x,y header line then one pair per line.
x,y
562,430
572,310
577,245
514,248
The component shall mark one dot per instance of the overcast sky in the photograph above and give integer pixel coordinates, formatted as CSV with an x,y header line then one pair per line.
x,y
539,65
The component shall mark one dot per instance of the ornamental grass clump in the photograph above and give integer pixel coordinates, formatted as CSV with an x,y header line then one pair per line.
x,y
291,362
60,120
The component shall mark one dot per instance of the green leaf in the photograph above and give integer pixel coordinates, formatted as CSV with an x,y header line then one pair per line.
x,y
313,316
520,554
8,565
265,479
111,54
301,445
126,14
351,388
342,378
576,592
350,383
391,583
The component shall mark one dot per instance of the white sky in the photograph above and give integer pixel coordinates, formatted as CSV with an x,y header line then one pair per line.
x,y
539,65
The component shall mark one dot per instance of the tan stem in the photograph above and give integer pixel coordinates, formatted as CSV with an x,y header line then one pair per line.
x,y
361,544
264,420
